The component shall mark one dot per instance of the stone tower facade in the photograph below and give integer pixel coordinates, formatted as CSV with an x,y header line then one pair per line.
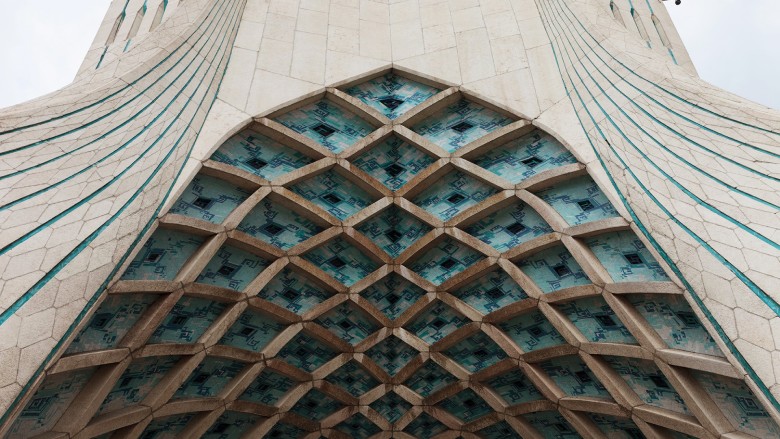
x,y
389,218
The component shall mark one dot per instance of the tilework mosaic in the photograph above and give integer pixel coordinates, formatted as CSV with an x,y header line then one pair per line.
x,y
476,352
348,322
515,388
648,382
232,268
551,425
277,225
392,295
554,269
738,403
425,426
140,377
466,406
579,201
209,378
294,291
391,94
267,388
187,321
327,124
429,378
167,427
532,331
113,319
526,156
573,377
260,155
453,193
393,162
316,405
163,255
391,406
491,291
49,402
448,258
391,354
509,227
284,431
232,425
209,198
358,426
617,428
342,260
437,322
393,230
252,331
499,430
306,352
334,193
675,322
626,258
459,124
353,378
596,321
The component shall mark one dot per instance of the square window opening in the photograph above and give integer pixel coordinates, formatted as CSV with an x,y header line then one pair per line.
x,y
202,202
324,130
462,127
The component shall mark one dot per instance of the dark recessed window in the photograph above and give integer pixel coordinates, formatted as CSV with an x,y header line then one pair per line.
x,y
125,382
585,205
394,169
606,321
583,376
332,198
311,404
246,331
561,427
535,331
520,384
394,235
349,380
220,428
392,298
480,353
455,198
301,352
391,356
515,228
273,229
561,270
202,202
469,403
532,161
323,130
438,323
153,256
290,294
462,127
688,318
101,320
226,270
448,263
391,102
257,163
659,381
178,320
633,258
200,378
345,325
337,262
263,387
430,378
494,293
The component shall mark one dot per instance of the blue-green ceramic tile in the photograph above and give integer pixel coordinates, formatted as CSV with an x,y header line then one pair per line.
x,y
617,428
316,405
187,321
137,381
452,193
209,198
293,291
393,230
626,258
277,225
348,322
466,406
551,425
476,352
448,258
596,320
391,406
499,430
491,291
430,378
391,354
393,162
334,193
267,388
392,95
425,426
648,382
509,227
167,427
554,269
353,378
306,352
209,378
232,268
358,426
260,155
515,388
579,201
459,124
232,425
342,260
393,295
532,331
574,377
252,331
437,322
163,255
327,124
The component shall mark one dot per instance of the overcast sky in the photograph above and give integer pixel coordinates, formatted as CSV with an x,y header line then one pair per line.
x,y
734,44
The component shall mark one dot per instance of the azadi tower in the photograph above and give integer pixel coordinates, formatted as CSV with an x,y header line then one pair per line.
x,y
389,218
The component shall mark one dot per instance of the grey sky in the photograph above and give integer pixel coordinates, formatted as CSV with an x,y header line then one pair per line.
x,y
734,44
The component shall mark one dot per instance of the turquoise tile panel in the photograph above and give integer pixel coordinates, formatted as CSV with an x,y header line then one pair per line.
x,y
316,406
393,295
509,227
626,258
163,255
260,155
425,426
476,352
739,404
391,406
267,388
293,291
617,428
187,321
393,230
532,331
137,381
459,124
392,95
232,425
466,406
284,431
252,331
167,427
500,430
675,322
358,426
491,291
209,198
393,162
348,322
515,388
49,403
232,268
574,377
334,193
209,378
554,269
342,260
551,425
448,258
391,354
648,382
437,322
526,156
579,201
452,193
596,320
327,124
430,378
113,319
277,225
306,352
353,378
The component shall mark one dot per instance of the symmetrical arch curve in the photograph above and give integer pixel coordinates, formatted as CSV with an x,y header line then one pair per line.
x,y
392,258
